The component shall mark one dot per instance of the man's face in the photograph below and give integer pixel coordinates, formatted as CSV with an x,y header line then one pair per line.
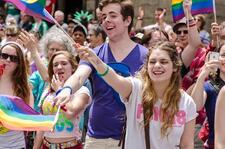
x,y
59,17
157,14
182,35
113,22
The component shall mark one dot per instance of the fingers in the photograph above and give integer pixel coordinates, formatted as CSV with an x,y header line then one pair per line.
x,y
56,83
61,101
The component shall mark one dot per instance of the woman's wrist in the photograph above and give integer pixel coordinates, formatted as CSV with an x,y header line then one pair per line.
x,y
65,88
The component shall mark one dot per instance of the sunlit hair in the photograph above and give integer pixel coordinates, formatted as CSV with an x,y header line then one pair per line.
x,y
127,9
20,75
70,58
172,94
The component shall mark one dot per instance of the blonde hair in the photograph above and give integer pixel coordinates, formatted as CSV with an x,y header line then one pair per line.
x,y
172,94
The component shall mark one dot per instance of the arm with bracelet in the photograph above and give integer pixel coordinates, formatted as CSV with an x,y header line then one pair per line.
x,y
73,84
194,40
121,84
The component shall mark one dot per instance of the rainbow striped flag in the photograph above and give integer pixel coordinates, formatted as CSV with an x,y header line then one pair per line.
x,y
198,7
35,8
15,114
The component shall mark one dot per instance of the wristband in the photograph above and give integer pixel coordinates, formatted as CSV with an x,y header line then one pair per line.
x,y
65,87
104,73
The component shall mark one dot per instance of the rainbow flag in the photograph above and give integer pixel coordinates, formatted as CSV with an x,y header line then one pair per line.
x,y
15,114
198,7
35,8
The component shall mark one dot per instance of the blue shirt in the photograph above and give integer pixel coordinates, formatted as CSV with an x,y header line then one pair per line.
x,y
210,106
107,113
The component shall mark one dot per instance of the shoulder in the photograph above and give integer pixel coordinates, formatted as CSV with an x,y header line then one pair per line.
x,y
187,99
143,51
222,91
100,48
83,90
35,75
136,83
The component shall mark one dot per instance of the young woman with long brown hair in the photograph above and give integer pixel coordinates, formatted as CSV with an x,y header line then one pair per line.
x,y
153,98
14,82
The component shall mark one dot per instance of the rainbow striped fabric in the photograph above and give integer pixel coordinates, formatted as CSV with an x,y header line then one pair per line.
x,y
198,7
35,8
15,114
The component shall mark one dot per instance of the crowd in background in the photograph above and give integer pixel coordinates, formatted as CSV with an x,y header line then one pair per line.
x,y
121,83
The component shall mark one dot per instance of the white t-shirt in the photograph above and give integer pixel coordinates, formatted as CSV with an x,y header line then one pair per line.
x,y
135,136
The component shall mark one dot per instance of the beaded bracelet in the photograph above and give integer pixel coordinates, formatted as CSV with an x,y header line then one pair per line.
x,y
104,73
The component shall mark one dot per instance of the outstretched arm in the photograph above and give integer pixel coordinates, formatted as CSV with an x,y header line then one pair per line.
x,y
79,101
122,85
29,42
194,40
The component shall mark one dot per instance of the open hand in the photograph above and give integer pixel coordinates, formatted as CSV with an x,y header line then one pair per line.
x,y
28,41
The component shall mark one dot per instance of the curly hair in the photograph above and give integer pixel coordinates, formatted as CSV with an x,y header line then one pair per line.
x,y
20,76
172,94
55,35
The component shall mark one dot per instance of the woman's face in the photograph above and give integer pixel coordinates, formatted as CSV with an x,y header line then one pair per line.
x,y
9,58
62,67
160,66
54,47
222,59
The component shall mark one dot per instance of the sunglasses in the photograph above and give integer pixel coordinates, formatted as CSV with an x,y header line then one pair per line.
x,y
11,35
12,58
182,31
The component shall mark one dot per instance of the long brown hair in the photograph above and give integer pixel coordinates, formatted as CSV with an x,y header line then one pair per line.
x,y
71,59
20,77
172,94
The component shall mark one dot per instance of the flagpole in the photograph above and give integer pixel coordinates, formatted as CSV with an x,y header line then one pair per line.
x,y
215,20
60,27
214,11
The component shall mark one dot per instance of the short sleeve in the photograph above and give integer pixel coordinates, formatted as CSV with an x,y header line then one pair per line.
x,y
136,90
191,108
84,90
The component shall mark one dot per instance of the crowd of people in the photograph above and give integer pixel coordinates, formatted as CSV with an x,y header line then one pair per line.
x,y
119,84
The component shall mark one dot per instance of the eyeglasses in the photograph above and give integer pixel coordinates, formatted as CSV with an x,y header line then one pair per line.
x,y
55,49
12,58
182,31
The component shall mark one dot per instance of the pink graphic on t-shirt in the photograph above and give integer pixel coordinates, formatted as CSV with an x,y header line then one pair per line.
x,y
180,117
